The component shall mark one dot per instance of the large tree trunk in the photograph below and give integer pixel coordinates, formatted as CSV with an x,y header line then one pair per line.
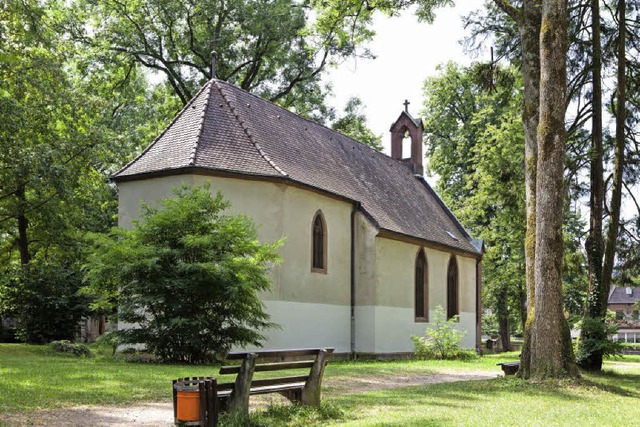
x,y
619,161
596,306
528,18
551,353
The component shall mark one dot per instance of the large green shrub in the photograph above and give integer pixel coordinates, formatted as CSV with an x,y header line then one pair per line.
x,y
186,277
442,339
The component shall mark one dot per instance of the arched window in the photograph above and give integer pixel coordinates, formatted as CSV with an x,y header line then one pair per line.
x,y
421,288
319,244
452,288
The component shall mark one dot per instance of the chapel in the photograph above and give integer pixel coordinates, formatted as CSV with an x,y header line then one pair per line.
x,y
370,249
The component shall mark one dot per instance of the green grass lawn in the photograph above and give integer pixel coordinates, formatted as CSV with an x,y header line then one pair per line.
x,y
32,377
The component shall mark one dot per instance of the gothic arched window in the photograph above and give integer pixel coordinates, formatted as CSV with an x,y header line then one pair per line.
x,y
421,288
452,289
319,244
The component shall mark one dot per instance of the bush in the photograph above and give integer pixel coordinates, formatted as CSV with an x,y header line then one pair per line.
x,y
187,276
65,346
109,339
597,339
44,300
442,339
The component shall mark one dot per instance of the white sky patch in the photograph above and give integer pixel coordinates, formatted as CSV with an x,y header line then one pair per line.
x,y
407,52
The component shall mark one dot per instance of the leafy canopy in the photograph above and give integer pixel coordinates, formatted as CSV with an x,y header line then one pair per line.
x,y
187,275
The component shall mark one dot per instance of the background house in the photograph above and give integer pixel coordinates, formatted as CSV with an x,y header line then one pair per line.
x,y
623,301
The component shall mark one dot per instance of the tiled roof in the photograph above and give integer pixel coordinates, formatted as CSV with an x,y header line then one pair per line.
x,y
225,128
620,296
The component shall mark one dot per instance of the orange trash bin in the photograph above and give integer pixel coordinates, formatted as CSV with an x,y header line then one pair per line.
x,y
188,403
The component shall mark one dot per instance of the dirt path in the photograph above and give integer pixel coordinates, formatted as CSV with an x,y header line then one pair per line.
x,y
160,414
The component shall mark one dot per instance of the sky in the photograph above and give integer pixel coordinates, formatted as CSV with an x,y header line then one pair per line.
x,y
407,52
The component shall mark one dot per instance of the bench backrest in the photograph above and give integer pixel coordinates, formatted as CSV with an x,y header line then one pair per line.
x,y
273,360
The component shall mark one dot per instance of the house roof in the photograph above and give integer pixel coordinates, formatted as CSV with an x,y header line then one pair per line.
x,y
226,129
620,295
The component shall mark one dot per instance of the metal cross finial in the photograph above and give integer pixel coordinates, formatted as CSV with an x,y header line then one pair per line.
x,y
406,105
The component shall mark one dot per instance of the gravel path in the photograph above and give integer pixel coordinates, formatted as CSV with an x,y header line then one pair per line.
x,y
160,414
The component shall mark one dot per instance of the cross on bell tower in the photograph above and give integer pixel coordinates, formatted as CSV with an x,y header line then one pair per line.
x,y
406,105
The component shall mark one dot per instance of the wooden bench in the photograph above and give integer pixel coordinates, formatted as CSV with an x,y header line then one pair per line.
x,y
303,389
509,368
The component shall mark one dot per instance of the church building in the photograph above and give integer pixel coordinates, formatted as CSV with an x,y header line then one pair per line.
x,y
370,249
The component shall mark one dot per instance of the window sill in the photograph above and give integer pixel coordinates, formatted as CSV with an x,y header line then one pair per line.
x,y
421,320
319,270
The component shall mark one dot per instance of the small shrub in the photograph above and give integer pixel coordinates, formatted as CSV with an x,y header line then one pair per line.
x,y
598,339
133,355
442,339
110,340
66,346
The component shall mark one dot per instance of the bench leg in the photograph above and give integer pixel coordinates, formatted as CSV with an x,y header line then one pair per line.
x,y
239,399
310,395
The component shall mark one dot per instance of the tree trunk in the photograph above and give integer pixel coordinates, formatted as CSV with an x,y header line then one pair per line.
x,y
522,303
551,353
23,225
596,306
503,319
528,18
619,161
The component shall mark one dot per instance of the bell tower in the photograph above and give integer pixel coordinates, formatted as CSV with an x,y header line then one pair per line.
x,y
414,127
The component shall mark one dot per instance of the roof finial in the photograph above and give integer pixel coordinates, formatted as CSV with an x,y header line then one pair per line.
x,y
406,105
214,58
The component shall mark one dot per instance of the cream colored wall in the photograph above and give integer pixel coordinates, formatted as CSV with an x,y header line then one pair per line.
x,y
365,284
131,194
384,313
393,310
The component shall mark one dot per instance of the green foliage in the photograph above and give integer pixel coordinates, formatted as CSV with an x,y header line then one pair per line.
x,y
109,339
475,145
489,324
442,339
354,125
596,338
270,48
44,300
65,123
66,346
187,275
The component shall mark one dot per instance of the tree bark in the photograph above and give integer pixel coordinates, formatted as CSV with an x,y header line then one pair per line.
x,y
528,19
619,161
503,319
596,305
551,353
23,225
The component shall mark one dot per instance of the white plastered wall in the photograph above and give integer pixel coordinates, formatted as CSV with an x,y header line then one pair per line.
x,y
392,312
313,309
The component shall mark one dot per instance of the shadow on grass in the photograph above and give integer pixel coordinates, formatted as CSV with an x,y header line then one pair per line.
x,y
621,384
